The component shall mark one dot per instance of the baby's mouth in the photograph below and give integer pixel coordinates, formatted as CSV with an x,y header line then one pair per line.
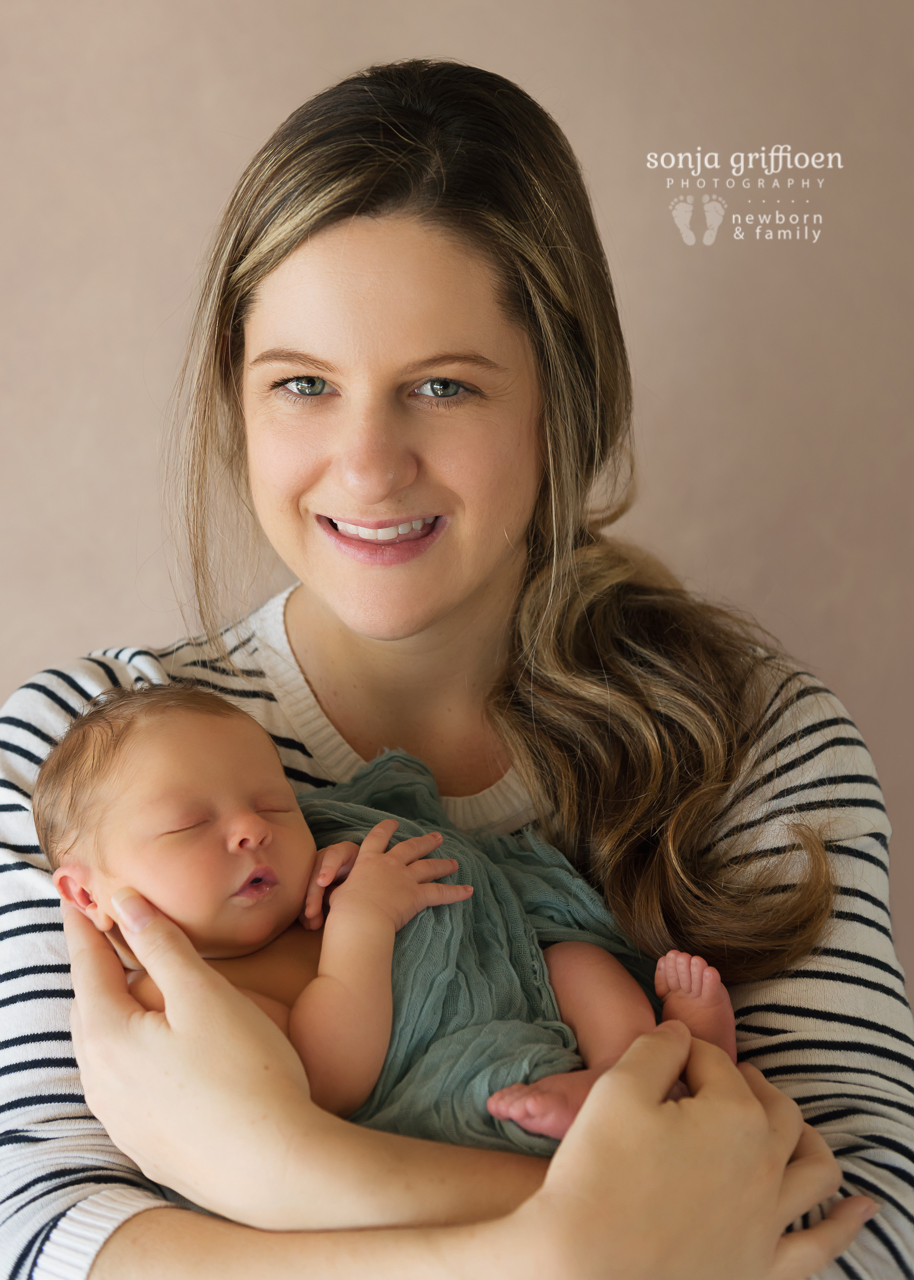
x,y
258,884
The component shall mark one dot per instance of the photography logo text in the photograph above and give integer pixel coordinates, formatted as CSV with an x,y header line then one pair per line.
x,y
781,208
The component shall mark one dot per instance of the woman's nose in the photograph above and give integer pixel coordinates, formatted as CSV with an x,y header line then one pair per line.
x,y
375,456
249,832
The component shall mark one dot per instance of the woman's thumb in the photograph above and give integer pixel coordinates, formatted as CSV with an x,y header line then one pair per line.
x,y
162,948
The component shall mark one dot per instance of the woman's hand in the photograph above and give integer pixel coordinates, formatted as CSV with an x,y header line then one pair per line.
x,y
205,1096
711,1182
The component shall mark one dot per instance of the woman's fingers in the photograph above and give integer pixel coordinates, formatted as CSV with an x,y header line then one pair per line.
x,y
654,1062
99,980
812,1176
785,1120
801,1254
163,949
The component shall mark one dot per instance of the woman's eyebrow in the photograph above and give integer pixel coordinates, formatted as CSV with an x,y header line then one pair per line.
x,y
451,357
286,355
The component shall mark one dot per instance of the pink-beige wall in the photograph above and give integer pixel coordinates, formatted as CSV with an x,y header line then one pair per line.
x,y
771,374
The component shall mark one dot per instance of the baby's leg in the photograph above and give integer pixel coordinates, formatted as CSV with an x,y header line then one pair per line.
x,y
606,1010
693,993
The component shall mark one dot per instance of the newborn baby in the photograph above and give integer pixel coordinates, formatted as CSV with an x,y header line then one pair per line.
x,y
181,795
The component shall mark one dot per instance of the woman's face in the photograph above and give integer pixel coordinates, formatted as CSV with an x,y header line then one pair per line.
x,y
391,415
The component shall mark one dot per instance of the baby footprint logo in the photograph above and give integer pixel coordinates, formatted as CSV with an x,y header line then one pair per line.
x,y
714,216
682,216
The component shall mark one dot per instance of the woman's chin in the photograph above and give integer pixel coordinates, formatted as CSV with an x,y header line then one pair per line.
x,y
378,616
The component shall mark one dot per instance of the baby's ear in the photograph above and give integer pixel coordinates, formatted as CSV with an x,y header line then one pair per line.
x,y
72,881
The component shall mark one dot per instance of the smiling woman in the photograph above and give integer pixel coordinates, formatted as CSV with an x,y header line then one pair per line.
x,y
408,365
378,448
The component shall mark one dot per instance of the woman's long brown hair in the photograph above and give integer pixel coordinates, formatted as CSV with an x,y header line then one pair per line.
x,y
629,706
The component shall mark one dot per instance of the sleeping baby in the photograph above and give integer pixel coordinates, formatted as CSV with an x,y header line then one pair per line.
x,y
477,1012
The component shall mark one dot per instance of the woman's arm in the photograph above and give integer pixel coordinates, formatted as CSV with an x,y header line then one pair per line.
x,y
837,1034
268,1155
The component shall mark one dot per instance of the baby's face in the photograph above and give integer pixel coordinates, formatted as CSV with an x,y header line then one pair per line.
x,y
200,819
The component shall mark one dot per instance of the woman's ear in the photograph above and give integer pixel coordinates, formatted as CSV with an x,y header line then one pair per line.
x,y
73,882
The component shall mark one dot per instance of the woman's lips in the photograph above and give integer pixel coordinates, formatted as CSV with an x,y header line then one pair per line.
x,y
261,882
388,550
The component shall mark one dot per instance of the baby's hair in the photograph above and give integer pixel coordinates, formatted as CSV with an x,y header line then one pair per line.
x,y
84,757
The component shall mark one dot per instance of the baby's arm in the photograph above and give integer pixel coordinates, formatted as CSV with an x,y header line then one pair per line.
x,y
340,1024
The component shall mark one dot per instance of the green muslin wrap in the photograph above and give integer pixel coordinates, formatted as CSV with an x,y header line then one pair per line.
x,y
473,1010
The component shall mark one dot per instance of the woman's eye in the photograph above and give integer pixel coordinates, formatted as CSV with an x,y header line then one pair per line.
x,y
443,388
305,387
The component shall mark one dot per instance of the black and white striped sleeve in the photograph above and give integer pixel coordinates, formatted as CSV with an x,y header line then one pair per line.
x,y
836,1034
64,1186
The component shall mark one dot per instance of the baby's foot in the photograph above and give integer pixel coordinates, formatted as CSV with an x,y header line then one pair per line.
x,y
548,1106
693,993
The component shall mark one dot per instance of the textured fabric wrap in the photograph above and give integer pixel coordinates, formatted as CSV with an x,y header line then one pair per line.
x,y
473,1008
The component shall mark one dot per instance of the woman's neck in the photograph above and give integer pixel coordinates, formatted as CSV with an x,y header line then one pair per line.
x,y
425,693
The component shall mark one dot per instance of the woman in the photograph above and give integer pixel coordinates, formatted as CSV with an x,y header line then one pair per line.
x,y
408,364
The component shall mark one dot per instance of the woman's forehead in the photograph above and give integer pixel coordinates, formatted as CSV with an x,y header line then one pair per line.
x,y
367,286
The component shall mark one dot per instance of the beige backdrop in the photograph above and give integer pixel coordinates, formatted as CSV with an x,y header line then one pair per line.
x,y
774,455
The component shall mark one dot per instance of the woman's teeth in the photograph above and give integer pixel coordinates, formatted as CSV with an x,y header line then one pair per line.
x,y
382,535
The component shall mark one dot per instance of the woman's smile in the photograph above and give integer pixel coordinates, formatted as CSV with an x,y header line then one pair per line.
x,y
381,543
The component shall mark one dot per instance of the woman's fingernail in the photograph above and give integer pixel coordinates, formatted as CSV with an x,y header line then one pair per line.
x,y
133,911
868,1210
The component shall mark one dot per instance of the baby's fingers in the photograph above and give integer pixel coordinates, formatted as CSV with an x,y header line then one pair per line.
x,y
332,863
411,850
433,869
439,895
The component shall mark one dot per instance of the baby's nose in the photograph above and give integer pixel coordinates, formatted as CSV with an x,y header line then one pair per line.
x,y
252,833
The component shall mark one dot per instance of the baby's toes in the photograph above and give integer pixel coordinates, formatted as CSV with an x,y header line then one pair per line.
x,y
500,1103
711,986
539,1105
684,969
697,969
666,979
661,985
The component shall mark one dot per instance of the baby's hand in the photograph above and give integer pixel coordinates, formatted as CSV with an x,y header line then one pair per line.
x,y
333,863
397,883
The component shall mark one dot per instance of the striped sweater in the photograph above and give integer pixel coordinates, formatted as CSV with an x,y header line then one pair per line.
x,y
837,1034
